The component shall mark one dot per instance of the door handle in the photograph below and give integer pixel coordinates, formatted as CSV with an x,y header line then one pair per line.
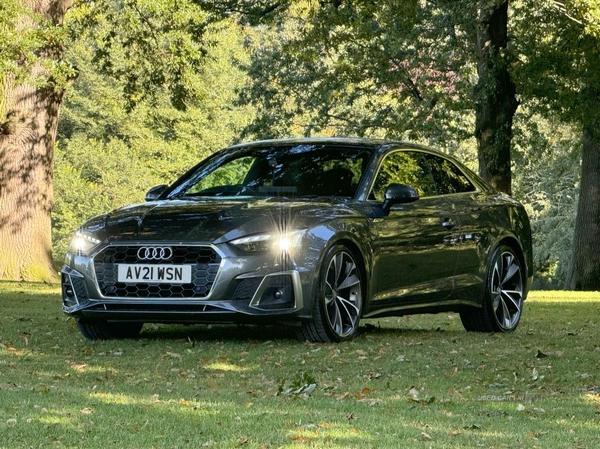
x,y
448,223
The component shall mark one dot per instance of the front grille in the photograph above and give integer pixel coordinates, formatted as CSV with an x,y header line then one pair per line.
x,y
204,261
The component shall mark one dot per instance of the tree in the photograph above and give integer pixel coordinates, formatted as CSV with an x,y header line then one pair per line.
x,y
495,95
163,44
561,72
31,91
393,69
389,69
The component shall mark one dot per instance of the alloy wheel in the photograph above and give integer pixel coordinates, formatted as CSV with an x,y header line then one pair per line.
x,y
506,289
343,294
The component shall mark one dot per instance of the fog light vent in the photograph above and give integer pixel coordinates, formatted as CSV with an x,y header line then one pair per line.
x,y
275,292
74,290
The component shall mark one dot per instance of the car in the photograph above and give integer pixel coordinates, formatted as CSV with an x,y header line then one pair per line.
x,y
313,233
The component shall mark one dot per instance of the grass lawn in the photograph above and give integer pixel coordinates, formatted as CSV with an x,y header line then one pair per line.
x,y
418,381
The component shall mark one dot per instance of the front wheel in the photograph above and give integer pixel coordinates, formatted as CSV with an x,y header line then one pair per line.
x,y
339,301
504,293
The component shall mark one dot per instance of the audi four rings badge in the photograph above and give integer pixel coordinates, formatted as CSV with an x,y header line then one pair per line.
x,y
155,253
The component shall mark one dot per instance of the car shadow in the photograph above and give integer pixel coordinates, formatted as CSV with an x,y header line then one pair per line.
x,y
221,332
257,333
372,329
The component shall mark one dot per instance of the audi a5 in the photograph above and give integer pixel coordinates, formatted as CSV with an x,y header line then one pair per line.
x,y
314,234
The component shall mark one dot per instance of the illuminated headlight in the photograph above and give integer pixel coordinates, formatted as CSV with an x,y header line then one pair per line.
x,y
82,242
283,242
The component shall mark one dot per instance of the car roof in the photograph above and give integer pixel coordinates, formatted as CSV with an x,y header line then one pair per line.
x,y
373,144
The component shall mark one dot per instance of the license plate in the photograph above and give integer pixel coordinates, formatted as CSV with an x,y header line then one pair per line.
x,y
155,274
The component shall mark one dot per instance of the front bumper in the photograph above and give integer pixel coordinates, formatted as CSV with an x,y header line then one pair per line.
x,y
244,289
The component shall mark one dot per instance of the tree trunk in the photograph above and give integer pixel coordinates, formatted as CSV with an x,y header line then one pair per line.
x,y
585,264
495,95
28,120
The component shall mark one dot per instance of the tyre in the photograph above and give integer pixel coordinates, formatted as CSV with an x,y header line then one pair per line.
x,y
503,300
108,330
339,301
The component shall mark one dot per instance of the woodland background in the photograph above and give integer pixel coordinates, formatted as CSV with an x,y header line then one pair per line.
x,y
141,90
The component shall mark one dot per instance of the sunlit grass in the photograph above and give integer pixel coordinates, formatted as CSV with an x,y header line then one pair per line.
x,y
563,296
416,381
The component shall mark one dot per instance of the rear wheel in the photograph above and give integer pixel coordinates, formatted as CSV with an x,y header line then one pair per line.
x,y
339,301
108,330
503,301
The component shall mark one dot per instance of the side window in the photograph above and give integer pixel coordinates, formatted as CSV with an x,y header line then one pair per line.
x,y
448,177
404,167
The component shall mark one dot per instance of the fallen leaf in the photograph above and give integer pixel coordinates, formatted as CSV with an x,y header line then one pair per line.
x,y
414,396
425,436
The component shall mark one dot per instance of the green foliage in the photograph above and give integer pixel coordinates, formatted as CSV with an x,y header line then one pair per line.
x,y
546,159
27,38
12,42
560,56
109,155
387,69
151,46
558,77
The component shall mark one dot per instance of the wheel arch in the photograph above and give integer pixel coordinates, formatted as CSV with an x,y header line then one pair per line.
x,y
363,261
357,251
319,327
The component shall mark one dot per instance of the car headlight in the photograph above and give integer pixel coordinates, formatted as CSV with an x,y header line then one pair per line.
x,y
283,242
82,242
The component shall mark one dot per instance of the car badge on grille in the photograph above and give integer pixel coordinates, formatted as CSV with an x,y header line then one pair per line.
x,y
155,253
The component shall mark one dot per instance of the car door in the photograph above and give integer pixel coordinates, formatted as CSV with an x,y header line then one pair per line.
x,y
415,250
468,205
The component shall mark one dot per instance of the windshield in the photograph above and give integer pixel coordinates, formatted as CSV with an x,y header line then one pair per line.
x,y
294,171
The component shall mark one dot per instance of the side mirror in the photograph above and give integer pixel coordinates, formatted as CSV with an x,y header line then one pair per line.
x,y
398,194
155,192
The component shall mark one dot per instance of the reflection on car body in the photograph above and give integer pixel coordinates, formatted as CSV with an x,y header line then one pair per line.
x,y
312,233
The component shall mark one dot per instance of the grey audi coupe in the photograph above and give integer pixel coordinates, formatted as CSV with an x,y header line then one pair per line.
x,y
316,234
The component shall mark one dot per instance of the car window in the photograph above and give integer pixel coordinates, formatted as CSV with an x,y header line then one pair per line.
x,y
304,170
447,176
230,175
404,167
